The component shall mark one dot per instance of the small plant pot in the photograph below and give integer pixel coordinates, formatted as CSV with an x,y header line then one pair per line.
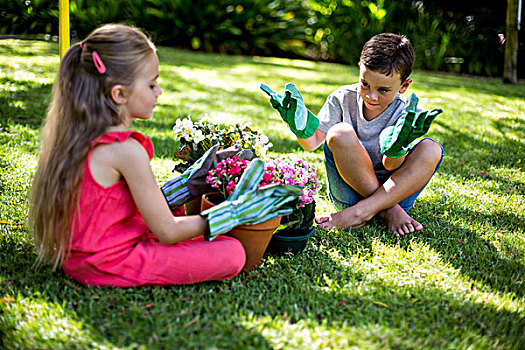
x,y
254,238
193,207
290,241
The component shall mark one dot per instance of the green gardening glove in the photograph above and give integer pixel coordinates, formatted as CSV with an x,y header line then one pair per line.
x,y
192,183
396,139
302,122
249,205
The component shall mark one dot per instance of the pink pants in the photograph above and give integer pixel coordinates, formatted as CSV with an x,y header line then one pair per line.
x,y
151,263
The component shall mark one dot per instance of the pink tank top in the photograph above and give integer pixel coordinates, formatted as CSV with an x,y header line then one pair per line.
x,y
109,220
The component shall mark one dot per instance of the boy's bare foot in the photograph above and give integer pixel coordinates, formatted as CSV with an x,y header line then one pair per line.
x,y
350,217
398,221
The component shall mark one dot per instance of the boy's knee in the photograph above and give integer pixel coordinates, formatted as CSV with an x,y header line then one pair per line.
x,y
431,149
341,135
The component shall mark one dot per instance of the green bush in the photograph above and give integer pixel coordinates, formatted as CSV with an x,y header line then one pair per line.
x,y
466,30
28,17
238,27
341,27
332,30
86,15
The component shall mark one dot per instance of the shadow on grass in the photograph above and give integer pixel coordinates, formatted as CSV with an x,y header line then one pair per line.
x,y
497,266
512,125
27,105
402,308
481,85
310,288
214,97
467,154
28,48
195,59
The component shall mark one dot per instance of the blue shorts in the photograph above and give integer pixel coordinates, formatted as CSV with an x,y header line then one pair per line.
x,y
344,196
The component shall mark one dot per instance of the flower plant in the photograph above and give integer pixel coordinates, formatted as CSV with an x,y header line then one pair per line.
x,y
195,138
287,170
226,175
292,170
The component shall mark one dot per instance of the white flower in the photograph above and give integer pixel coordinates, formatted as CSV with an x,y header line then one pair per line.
x,y
177,128
197,135
183,127
263,139
186,129
261,144
262,150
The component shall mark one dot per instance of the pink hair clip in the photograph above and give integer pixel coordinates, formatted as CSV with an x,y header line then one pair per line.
x,y
98,63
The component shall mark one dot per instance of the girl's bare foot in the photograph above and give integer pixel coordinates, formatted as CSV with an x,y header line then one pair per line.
x,y
398,221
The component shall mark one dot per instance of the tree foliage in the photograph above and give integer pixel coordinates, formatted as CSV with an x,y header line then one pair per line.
x,y
459,36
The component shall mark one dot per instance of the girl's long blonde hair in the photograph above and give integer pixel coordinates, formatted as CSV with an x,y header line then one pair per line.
x,y
81,110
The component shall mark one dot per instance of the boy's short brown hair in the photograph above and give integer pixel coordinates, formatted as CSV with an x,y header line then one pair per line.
x,y
389,53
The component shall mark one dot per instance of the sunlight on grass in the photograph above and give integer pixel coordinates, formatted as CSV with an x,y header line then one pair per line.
x,y
459,283
38,323
283,334
307,334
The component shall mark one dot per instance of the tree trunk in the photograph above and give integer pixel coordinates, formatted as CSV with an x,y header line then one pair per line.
x,y
510,68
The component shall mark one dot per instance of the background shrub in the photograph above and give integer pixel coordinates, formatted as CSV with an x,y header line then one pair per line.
x,y
253,27
458,36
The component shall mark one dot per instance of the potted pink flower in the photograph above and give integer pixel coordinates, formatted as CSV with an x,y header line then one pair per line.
x,y
227,174
193,139
296,228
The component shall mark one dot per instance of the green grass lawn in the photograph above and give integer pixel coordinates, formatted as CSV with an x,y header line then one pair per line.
x,y
458,284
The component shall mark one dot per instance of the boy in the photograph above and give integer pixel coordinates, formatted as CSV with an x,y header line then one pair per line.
x,y
373,164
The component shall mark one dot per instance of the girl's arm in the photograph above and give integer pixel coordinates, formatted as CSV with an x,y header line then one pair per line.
x,y
132,162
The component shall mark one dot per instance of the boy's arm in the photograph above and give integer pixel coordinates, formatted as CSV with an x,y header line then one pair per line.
x,y
393,163
313,142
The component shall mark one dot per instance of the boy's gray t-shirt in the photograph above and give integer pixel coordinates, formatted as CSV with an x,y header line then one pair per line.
x,y
346,105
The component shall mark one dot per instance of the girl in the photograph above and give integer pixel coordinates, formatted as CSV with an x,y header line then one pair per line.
x,y
96,208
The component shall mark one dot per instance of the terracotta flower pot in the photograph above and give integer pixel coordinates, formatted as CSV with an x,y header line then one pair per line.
x,y
254,238
193,207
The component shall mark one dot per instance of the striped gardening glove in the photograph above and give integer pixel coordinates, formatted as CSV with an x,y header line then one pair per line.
x,y
249,205
192,183
396,139
301,121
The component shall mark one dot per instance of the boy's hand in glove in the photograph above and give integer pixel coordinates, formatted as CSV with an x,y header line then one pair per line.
x,y
249,205
396,139
302,122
